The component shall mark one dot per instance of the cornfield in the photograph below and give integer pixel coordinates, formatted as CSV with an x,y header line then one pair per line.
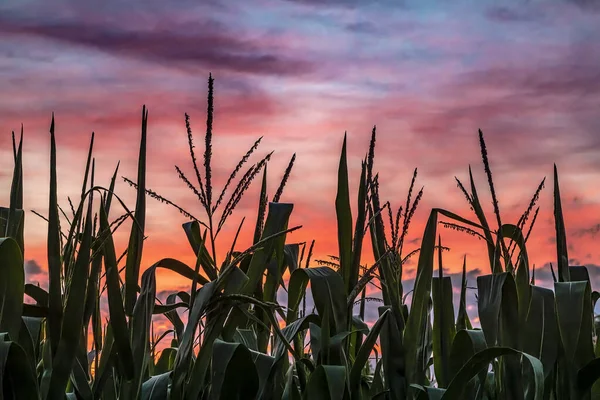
x,y
233,339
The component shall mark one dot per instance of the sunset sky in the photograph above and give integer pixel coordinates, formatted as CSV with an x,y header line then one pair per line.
x,y
301,73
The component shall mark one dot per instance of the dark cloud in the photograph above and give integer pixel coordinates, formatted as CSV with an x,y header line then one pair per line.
x,y
206,45
333,3
32,268
591,231
506,14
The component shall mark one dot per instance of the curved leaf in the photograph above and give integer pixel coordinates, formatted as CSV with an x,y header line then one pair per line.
x,y
17,379
156,388
327,288
540,337
481,360
327,382
365,351
234,375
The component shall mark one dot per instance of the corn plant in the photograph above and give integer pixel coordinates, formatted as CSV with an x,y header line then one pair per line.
x,y
239,342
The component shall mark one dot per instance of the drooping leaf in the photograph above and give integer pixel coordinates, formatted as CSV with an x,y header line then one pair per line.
x,y
156,388
482,359
327,288
540,337
17,378
327,382
234,375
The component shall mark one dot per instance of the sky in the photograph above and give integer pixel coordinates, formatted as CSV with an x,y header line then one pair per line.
x,y
300,73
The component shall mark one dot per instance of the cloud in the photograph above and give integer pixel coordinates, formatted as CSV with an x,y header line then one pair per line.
x,y
510,15
209,45
33,268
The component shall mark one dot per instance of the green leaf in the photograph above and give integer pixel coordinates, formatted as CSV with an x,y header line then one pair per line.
x,y
156,388
573,304
29,337
247,337
443,328
540,337
561,236
54,254
344,221
465,345
493,256
184,354
416,325
80,382
522,277
165,363
462,320
17,379
136,238
327,288
140,326
490,289
482,359
12,287
291,391
234,375
118,319
393,357
192,231
363,354
72,324
574,314
291,330
327,382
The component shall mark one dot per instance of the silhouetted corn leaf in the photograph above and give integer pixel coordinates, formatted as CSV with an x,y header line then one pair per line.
x,y
490,299
17,378
574,315
363,354
118,319
72,323
54,254
136,238
416,325
443,327
291,330
465,345
522,277
156,388
327,382
561,236
140,326
327,288
482,359
192,231
185,354
540,337
344,221
234,375
393,357
165,363
12,287
462,319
